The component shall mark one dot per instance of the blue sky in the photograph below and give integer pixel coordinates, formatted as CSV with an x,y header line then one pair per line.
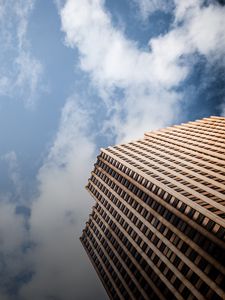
x,y
77,75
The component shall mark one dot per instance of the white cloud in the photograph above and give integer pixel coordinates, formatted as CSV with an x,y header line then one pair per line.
x,y
185,8
106,53
147,78
20,71
116,62
62,269
206,31
203,26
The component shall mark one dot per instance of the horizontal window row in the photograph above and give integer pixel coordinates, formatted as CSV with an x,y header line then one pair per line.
x,y
190,143
176,158
186,150
207,135
178,204
195,140
157,165
183,154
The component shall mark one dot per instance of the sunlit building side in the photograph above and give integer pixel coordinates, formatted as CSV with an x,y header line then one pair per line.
x,y
157,228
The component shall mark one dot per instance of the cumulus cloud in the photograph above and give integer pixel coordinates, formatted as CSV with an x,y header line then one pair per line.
x,y
58,214
113,60
148,78
20,71
116,62
204,26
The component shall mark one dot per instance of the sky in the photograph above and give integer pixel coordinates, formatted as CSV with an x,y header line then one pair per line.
x,y
75,76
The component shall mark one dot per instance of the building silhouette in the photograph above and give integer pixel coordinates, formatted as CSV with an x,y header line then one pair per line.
x,y
157,229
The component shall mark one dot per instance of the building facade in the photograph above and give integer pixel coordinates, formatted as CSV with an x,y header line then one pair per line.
x,y
157,229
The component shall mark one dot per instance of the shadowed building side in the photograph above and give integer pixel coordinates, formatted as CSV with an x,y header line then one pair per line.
x,y
157,228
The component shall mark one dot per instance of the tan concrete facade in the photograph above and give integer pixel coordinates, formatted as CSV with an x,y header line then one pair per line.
x,y
157,229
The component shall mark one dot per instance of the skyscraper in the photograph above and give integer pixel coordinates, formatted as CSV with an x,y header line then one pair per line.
x,y
157,228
